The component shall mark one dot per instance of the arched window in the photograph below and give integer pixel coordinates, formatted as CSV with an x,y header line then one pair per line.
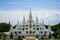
x,y
26,31
33,31
22,28
33,25
26,28
23,25
41,32
30,32
19,32
17,28
34,28
40,28
37,28
37,25
16,33
26,25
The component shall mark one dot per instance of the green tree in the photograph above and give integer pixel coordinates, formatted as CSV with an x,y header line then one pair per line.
x,y
11,35
58,36
4,27
56,30
20,38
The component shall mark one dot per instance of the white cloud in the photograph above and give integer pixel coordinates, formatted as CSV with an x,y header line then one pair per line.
x,y
14,15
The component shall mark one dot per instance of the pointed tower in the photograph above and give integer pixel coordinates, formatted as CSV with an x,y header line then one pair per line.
x,y
17,25
30,15
11,27
9,23
18,22
30,20
37,19
24,19
50,31
49,28
43,25
42,22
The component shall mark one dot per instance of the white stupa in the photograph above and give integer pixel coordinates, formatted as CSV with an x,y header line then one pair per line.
x,y
30,27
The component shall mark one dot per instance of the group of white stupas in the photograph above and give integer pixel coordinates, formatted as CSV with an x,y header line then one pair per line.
x,y
30,28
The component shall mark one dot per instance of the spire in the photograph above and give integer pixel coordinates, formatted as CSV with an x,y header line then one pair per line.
x,y
24,19
49,28
36,19
9,23
42,21
17,25
11,29
18,22
30,15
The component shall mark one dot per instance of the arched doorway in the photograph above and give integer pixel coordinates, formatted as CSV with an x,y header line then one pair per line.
x,y
30,38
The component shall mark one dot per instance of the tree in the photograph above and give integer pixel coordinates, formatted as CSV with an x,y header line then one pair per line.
x,y
56,29
4,27
11,35
4,36
58,36
20,38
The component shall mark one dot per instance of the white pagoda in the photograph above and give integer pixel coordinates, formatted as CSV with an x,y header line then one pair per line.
x,y
30,28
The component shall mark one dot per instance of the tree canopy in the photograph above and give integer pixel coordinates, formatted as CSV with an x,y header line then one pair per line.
x,y
4,27
56,30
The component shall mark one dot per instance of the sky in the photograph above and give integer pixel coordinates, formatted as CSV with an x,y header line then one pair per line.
x,y
14,10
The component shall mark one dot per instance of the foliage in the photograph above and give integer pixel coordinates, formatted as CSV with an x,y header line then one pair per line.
x,y
2,35
19,38
11,35
4,27
58,36
56,29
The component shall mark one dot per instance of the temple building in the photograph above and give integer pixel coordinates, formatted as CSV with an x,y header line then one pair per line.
x,y
30,27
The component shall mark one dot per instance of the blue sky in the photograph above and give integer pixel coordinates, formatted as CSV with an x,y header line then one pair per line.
x,y
15,9
27,4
